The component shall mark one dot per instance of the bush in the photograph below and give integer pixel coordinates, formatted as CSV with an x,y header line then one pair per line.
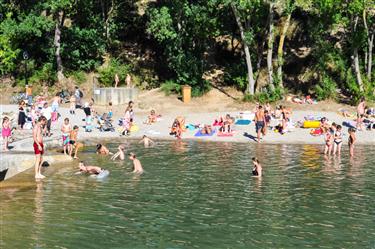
x,y
267,96
78,76
326,89
46,75
107,74
169,87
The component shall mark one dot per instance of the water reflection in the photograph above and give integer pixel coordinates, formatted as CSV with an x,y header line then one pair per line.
x,y
38,214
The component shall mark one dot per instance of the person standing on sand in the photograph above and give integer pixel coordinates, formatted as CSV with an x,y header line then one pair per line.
x,y
128,80
259,122
117,80
38,146
351,141
360,112
29,94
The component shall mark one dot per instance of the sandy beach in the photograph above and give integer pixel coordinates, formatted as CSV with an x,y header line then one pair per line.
x,y
161,129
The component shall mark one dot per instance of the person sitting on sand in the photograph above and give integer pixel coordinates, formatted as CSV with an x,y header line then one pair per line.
x,y
120,153
146,141
257,168
102,150
152,118
74,145
136,163
175,130
228,121
207,129
89,169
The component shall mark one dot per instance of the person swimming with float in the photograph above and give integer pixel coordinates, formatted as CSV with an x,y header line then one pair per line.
x,y
257,169
95,170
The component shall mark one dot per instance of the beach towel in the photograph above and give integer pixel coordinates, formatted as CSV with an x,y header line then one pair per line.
x,y
191,127
349,124
225,134
316,132
199,134
243,122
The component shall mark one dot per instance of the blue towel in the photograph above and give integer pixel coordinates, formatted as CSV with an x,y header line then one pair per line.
x,y
190,127
243,122
199,134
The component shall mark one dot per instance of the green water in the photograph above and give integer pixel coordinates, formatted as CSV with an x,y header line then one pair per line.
x,y
198,195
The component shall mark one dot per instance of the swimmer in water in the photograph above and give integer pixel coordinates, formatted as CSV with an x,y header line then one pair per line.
x,y
147,141
257,169
136,163
102,150
120,153
95,170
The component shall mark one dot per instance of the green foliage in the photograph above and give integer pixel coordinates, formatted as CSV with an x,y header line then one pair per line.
x,y
44,76
267,96
78,76
326,89
107,74
169,87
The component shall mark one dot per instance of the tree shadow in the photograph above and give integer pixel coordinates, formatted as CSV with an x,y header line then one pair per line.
x,y
223,91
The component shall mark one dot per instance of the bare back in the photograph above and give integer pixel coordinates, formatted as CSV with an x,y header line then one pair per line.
x,y
37,134
259,116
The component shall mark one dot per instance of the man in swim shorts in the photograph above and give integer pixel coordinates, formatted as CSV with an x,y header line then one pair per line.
x,y
38,146
259,122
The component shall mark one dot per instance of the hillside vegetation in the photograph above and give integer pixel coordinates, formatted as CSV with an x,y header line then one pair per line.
x,y
263,48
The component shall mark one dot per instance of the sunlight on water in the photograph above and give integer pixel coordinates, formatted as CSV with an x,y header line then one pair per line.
x,y
198,195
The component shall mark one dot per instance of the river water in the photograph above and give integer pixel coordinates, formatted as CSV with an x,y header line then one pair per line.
x,y
197,195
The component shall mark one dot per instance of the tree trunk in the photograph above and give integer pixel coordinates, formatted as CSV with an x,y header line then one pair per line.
x,y
270,47
369,62
59,21
250,75
356,59
280,51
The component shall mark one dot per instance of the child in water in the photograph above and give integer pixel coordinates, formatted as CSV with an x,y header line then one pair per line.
x,y
328,137
95,170
147,141
257,169
120,153
66,129
351,141
337,140
136,163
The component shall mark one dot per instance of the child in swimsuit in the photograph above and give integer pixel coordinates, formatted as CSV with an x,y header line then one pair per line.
x,y
6,132
351,141
110,111
257,169
66,129
337,140
328,137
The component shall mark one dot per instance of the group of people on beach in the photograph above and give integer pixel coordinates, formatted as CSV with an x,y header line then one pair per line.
x,y
41,115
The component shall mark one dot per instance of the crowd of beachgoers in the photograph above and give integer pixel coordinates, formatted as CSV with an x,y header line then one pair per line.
x,y
39,114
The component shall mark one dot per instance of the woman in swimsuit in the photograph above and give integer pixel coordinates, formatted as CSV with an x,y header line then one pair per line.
x,y
257,169
337,140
